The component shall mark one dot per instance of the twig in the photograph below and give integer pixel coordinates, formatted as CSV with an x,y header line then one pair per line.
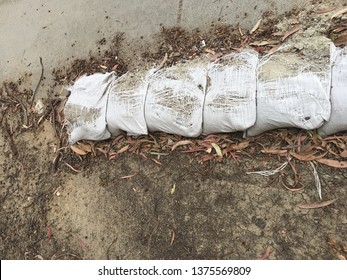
x,y
150,240
162,63
65,255
10,138
108,248
38,84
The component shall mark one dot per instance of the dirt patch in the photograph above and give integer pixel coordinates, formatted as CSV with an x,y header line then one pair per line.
x,y
132,198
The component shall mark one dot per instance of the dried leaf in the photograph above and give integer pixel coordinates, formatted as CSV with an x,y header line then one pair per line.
x,y
72,168
122,150
317,180
332,162
338,13
240,31
172,191
274,151
193,150
181,143
341,257
162,63
315,205
217,149
240,146
274,49
327,10
206,157
343,154
339,29
264,43
82,244
307,157
173,236
156,161
290,32
85,147
128,176
49,233
341,40
210,51
256,26
278,33
78,151
266,255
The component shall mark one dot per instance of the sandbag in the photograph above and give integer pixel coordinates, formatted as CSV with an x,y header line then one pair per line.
x,y
85,110
338,93
230,98
126,104
175,99
291,94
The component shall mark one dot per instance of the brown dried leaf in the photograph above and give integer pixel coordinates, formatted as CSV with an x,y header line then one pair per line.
x,y
181,143
78,151
274,151
332,162
207,157
291,32
341,40
278,33
128,176
327,10
240,146
318,204
274,49
210,51
162,63
156,161
338,13
343,154
85,147
307,157
339,29
82,244
266,255
256,26
72,168
124,149
173,236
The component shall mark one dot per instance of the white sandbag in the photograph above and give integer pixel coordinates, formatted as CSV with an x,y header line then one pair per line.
x,y
230,99
338,94
85,110
126,104
175,98
290,94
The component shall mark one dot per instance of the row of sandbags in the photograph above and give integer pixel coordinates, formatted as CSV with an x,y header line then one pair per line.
x,y
238,92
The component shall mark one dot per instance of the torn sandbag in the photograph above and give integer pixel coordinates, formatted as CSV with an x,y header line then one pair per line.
x,y
126,104
230,96
85,110
338,93
175,99
291,92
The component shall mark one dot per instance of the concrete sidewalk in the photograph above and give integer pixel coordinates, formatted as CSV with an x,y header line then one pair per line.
x,y
58,29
